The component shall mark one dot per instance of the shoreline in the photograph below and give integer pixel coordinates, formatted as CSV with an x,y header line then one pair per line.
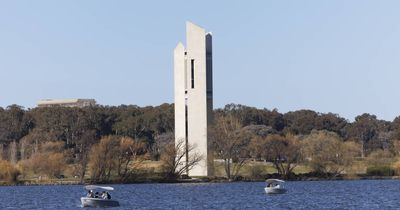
x,y
197,180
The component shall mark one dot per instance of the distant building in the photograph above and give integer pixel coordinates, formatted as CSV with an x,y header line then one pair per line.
x,y
66,102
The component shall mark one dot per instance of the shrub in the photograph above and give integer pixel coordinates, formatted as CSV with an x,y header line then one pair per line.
x,y
380,158
380,171
396,167
8,172
49,164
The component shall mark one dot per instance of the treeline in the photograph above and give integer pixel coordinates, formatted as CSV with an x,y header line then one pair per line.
x,y
65,136
44,141
370,132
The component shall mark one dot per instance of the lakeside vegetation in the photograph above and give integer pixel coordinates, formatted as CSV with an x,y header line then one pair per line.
x,y
126,144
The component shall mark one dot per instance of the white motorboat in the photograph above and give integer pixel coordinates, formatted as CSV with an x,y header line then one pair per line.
x,y
96,199
275,186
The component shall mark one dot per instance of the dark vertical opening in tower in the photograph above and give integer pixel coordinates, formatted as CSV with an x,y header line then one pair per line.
x,y
209,89
192,71
186,140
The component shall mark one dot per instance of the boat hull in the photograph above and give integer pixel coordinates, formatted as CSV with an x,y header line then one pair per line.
x,y
275,190
98,202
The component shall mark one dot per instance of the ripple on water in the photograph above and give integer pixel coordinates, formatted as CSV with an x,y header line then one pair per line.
x,y
365,194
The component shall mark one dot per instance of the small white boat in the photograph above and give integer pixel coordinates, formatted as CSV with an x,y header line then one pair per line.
x,y
275,186
95,199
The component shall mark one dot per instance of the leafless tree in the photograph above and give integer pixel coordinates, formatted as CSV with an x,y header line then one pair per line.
x,y
173,158
160,141
231,144
1,151
130,155
13,152
86,140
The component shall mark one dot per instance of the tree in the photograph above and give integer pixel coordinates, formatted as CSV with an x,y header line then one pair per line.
x,y
300,122
84,144
30,143
231,144
331,122
174,162
327,153
114,155
253,116
363,130
101,161
130,156
283,152
49,161
160,142
14,124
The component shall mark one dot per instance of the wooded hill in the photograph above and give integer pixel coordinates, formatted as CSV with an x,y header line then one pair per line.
x,y
73,131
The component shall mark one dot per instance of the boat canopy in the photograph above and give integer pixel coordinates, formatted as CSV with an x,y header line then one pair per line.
x,y
94,187
270,181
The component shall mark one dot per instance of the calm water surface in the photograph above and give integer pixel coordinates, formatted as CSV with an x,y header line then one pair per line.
x,y
371,194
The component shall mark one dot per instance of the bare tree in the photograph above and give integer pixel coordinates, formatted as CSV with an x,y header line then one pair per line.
x,y
84,143
101,159
160,141
13,152
130,155
1,151
231,144
173,158
22,149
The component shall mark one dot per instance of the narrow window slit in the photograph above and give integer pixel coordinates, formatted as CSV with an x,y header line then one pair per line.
x,y
192,68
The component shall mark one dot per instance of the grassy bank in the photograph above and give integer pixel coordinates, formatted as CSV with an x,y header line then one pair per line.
x,y
151,172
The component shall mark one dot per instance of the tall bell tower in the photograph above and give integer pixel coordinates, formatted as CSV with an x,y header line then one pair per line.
x,y
194,96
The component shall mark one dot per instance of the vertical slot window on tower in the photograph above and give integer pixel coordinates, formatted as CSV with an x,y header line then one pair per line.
x,y
192,70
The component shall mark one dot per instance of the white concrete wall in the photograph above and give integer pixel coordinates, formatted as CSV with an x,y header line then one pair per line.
x,y
197,96
179,81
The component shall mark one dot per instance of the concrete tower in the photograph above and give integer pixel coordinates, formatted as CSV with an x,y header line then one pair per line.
x,y
193,96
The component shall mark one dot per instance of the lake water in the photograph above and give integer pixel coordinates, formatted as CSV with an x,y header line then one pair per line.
x,y
366,194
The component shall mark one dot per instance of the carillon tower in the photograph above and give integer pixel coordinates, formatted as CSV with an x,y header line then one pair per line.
x,y
194,96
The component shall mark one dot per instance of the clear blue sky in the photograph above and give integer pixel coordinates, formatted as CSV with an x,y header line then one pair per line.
x,y
329,56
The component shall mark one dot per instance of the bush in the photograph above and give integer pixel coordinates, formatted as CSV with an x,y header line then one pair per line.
x,y
8,172
380,158
49,164
380,171
396,167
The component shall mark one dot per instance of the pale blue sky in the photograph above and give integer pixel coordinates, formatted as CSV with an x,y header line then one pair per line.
x,y
328,56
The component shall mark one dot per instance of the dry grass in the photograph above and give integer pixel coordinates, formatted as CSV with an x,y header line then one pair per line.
x,y
257,168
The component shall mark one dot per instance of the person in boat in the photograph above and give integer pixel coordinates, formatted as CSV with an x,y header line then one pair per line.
x,y
104,195
90,194
96,195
